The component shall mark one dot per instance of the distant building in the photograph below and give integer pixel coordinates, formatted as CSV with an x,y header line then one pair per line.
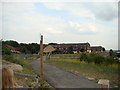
x,y
97,49
77,47
13,49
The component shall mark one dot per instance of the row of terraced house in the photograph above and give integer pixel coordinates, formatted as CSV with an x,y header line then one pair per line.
x,y
77,47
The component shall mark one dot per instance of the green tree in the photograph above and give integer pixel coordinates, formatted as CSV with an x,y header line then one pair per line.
x,y
70,50
57,51
5,51
11,43
33,47
23,49
103,49
83,57
111,52
98,59
82,50
52,44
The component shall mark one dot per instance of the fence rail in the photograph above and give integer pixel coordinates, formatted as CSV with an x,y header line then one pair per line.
x,y
35,77
26,75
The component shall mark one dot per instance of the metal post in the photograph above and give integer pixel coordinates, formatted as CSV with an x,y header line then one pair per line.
x,y
41,62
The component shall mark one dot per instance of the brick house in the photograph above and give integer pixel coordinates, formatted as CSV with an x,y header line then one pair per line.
x,y
97,49
76,47
13,49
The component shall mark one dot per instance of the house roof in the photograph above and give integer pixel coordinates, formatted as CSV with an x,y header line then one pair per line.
x,y
11,47
73,43
49,48
96,46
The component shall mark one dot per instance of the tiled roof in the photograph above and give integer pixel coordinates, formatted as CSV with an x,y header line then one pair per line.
x,y
11,47
49,48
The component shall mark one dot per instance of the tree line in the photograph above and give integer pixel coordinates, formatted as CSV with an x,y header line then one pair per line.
x,y
31,48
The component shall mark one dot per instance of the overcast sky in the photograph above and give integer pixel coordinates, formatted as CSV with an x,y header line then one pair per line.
x,y
61,22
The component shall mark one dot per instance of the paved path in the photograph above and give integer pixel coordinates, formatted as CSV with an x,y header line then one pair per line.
x,y
61,79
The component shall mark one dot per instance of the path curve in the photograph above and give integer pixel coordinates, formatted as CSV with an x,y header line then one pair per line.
x,y
62,79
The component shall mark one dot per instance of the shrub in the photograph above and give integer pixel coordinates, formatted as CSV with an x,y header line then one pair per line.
x,y
12,59
111,60
8,57
91,58
83,57
98,59
5,51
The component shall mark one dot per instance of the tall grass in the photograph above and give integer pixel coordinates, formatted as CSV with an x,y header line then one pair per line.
x,y
18,60
88,69
84,65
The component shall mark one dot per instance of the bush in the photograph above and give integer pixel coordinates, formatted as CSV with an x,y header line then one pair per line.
x,y
12,59
83,57
96,58
8,57
111,60
5,51
91,58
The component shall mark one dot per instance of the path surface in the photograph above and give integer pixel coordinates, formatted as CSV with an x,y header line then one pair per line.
x,y
61,79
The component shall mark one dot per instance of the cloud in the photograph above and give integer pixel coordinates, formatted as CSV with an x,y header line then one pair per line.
x,y
90,10
25,21
84,27
105,11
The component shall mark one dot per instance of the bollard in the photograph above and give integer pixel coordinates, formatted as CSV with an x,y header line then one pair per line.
x,y
37,81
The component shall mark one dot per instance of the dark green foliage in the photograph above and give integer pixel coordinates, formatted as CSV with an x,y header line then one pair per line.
x,y
12,59
98,59
23,47
29,48
8,57
103,49
34,48
70,50
91,58
83,57
11,43
118,54
111,60
5,51
82,50
111,52
52,44
58,52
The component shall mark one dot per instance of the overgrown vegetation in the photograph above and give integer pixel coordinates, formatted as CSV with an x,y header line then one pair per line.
x,y
96,65
24,60
85,69
18,60
32,48
27,69
98,59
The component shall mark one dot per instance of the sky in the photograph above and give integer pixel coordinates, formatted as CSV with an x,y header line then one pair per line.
x,y
61,22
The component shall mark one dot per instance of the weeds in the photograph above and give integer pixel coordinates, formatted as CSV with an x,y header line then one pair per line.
x,y
86,69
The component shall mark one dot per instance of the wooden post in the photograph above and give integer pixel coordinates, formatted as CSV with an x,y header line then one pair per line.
x,y
41,62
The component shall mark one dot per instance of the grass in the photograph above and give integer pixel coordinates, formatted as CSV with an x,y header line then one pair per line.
x,y
27,69
29,83
109,72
